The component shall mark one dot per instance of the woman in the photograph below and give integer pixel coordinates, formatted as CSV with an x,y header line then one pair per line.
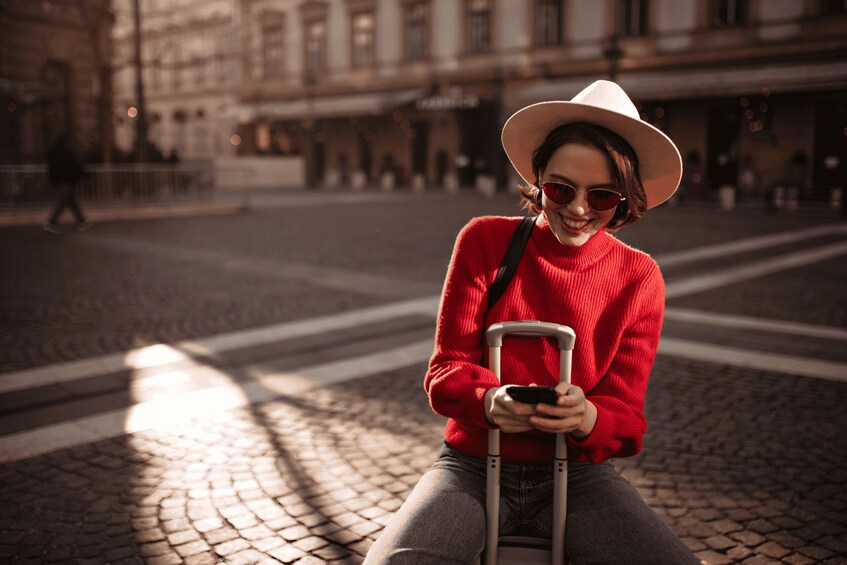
x,y
593,166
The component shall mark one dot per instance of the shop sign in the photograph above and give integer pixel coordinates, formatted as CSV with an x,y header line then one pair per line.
x,y
440,103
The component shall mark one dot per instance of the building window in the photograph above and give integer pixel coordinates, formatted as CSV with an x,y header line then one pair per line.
x,y
272,48
729,13
548,22
156,75
416,30
833,7
198,66
220,69
633,17
315,47
479,26
176,67
363,39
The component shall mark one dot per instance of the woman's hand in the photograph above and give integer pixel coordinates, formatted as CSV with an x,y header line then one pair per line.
x,y
506,413
573,413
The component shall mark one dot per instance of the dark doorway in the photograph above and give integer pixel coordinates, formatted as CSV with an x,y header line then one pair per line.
x,y
721,165
480,141
419,147
441,167
366,154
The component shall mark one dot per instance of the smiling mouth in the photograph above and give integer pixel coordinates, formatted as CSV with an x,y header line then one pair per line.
x,y
575,225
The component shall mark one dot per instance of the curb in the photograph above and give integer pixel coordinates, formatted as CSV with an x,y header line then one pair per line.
x,y
37,216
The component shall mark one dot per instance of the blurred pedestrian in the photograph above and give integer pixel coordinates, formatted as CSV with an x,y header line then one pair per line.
x,y
593,167
64,171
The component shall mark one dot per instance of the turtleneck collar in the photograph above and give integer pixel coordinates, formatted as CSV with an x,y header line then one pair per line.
x,y
575,256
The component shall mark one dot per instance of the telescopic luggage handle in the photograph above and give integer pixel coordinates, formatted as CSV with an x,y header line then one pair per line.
x,y
565,337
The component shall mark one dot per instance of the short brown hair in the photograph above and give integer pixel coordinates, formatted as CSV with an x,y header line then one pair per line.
x,y
623,167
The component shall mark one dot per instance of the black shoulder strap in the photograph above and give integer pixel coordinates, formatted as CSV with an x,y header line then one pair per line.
x,y
510,260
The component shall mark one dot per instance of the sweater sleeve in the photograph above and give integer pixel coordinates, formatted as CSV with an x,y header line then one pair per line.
x,y
619,396
456,381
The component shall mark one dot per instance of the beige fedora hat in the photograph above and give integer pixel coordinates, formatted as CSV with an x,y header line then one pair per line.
x,y
605,104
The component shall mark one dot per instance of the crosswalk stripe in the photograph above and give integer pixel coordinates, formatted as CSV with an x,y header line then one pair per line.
x,y
166,412
314,275
747,244
163,354
758,360
733,321
222,392
752,270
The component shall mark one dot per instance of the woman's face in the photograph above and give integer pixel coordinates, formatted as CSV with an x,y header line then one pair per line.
x,y
582,167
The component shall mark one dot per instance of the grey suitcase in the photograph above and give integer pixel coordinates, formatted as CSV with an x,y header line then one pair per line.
x,y
524,550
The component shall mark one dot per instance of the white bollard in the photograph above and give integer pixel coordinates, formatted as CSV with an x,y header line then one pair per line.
x,y
726,196
836,197
451,183
793,199
359,180
387,181
418,183
779,197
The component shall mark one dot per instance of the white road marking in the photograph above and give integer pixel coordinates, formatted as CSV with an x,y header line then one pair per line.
x,y
747,244
157,355
749,323
166,411
160,408
746,358
315,275
752,270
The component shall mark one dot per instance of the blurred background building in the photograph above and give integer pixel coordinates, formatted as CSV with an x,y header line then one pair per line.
x,y
413,93
190,81
55,77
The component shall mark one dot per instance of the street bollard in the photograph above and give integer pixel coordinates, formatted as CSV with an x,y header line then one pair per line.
x,y
359,180
451,183
386,182
418,183
836,196
792,199
779,197
726,195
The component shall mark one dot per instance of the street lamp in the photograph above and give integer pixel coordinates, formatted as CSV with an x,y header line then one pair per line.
x,y
141,116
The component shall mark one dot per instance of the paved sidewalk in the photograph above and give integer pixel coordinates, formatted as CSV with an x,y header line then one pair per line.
x,y
313,477
94,213
281,418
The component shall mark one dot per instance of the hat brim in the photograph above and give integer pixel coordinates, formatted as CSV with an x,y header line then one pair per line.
x,y
659,161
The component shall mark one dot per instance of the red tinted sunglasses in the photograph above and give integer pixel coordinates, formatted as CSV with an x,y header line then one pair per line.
x,y
599,199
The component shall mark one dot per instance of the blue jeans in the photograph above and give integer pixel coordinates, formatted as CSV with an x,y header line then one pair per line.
x,y
443,520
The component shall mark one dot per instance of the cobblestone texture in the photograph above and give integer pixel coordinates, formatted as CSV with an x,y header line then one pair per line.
x,y
746,466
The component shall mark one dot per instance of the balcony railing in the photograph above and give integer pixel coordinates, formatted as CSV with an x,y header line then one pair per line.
x,y
26,185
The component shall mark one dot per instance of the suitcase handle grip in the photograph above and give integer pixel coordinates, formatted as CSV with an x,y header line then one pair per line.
x,y
563,334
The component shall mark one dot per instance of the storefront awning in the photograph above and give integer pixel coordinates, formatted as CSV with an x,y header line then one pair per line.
x,y
26,92
702,83
332,106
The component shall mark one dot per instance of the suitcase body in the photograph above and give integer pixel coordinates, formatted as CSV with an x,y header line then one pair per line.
x,y
513,550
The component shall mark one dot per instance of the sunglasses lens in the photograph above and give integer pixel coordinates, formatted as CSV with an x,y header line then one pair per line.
x,y
602,200
559,193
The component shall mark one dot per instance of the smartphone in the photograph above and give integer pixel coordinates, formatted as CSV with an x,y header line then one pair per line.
x,y
533,394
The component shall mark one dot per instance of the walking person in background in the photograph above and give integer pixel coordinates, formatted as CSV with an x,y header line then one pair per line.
x,y
64,172
592,166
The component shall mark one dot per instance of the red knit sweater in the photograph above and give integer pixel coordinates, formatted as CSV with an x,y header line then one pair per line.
x,y
610,294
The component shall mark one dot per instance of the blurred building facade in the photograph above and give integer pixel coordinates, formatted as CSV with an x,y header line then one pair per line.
x,y
415,92
55,77
189,78
421,88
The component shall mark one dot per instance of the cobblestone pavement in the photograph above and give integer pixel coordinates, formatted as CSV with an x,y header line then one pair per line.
x,y
745,463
